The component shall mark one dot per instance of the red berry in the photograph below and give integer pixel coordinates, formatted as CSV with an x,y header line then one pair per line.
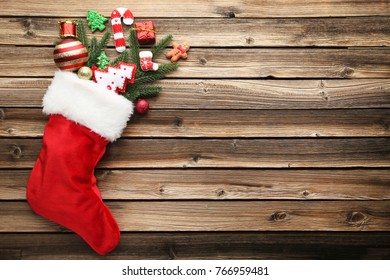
x,y
142,106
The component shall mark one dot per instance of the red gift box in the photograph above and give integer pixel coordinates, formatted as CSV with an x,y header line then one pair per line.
x,y
146,34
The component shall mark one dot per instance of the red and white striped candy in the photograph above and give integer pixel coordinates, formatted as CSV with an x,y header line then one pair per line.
x,y
116,23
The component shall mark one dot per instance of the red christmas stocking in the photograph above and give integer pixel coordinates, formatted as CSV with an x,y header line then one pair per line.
x,y
83,119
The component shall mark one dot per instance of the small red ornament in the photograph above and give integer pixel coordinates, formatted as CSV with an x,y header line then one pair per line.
x,y
146,33
142,106
70,54
68,28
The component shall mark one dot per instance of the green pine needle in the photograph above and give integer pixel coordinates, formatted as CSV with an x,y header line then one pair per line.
x,y
167,67
161,45
163,69
104,41
149,78
149,91
135,93
81,34
96,48
92,52
134,48
124,57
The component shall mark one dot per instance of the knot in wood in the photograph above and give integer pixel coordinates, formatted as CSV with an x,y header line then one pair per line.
x,y
203,88
203,61
27,24
278,216
102,174
346,72
172,252
16,152
161,190
221,192
357,218
384,124
230,14
196,158
249,40
178,122
10,130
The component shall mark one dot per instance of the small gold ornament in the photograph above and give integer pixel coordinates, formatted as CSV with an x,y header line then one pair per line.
x,y
85,73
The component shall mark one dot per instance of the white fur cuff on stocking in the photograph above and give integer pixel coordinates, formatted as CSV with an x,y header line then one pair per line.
x,y
85,102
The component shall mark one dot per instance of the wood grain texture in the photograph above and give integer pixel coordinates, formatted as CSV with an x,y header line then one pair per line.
x,y
220,153
271,141
235,32
220,216
211,245
202,8
231,63
232,94
21,122
226,184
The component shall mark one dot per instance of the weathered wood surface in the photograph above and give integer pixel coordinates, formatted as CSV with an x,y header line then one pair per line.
x,y
271,141
202,8
231,63
210,245
220,153
225,184
283,32
233,94
224,123
220,216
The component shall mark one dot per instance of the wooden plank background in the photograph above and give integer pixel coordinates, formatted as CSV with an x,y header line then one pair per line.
x,y
270,142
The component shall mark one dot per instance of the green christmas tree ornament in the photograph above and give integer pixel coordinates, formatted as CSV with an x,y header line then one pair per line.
x,y
96,21
103,61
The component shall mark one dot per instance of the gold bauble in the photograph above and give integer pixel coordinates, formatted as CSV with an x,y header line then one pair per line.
x,y
85,73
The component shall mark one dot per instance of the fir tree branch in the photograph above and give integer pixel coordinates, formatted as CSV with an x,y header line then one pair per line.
x,y
92,52
149,91
81,34
96,48
134,93
148,78
131,93
134,48
102,45
161,45
122,57
165,68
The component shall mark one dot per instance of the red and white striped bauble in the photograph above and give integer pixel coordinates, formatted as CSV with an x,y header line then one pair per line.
x,y
70,54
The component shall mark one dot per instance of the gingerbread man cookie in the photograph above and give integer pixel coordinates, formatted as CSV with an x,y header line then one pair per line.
x,y
179,51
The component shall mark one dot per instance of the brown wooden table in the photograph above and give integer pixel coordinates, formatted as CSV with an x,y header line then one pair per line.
x,y
270,142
